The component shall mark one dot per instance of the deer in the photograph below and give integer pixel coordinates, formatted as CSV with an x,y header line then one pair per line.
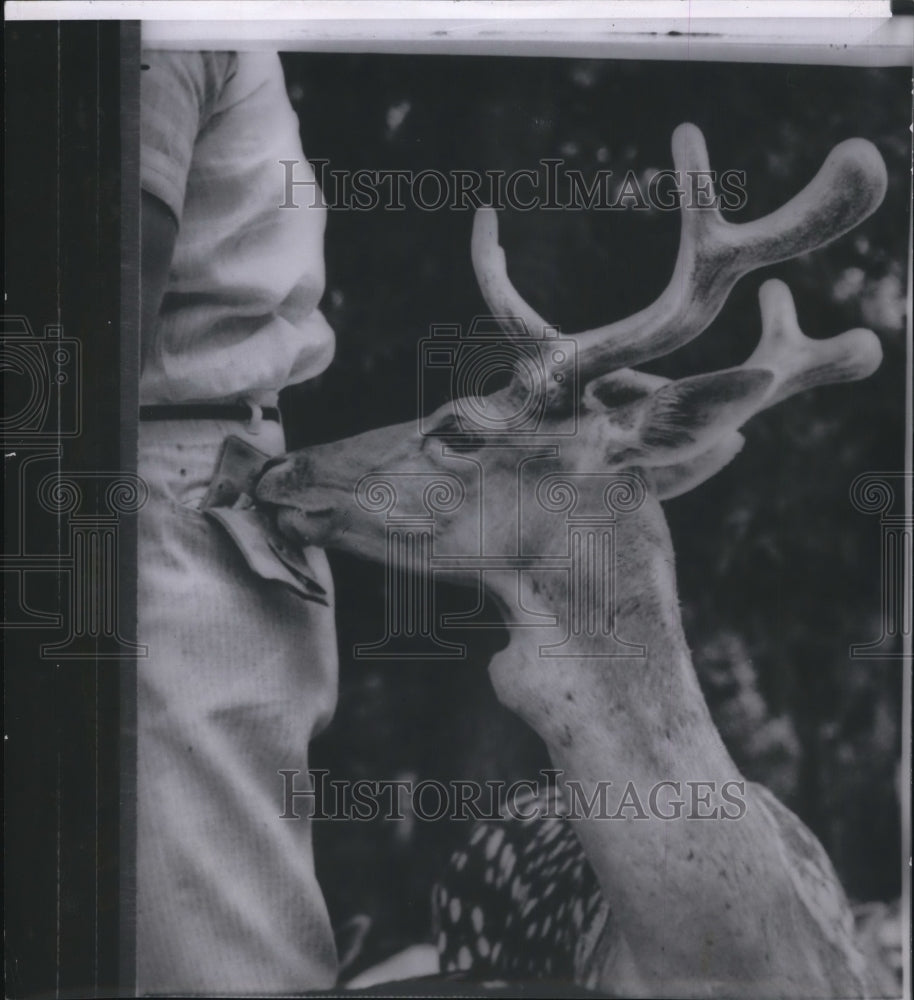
x,y
741,907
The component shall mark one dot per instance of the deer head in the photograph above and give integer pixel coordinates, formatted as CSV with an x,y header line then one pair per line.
x,y
598,411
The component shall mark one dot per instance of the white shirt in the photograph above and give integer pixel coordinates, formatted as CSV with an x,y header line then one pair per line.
x,y
239,316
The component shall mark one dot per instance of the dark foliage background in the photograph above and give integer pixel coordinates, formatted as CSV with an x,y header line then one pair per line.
x,y
778,573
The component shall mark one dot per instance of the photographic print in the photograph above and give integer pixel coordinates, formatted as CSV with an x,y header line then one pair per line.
x,y
458,516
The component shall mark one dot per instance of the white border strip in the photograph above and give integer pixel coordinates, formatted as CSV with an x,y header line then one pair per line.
x,y
851,42
514,10
854,33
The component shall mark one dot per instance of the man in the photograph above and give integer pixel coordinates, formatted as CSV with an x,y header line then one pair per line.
x,y
241,672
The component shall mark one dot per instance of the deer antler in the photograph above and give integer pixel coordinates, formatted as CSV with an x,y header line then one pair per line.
x,y
713,255
795,362
515,316
798,362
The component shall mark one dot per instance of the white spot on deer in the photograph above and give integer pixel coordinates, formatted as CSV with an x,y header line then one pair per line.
x,y
454,909
506,862
477,919
494,843
552,832
464,959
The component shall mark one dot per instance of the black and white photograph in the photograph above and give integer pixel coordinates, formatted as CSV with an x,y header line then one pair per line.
x,y
458,526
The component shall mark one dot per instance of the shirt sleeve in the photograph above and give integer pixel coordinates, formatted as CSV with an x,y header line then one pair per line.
x,y
178,91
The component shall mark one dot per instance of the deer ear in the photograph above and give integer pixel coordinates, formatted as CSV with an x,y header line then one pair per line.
x,y
674,480
687,418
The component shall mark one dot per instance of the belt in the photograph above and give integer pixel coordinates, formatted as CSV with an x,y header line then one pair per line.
x,y
211,411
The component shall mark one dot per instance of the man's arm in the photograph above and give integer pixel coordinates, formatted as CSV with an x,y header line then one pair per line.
x,y
159,230
176,90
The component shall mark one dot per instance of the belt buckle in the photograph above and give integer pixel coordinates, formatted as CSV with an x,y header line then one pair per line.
x,y
255,421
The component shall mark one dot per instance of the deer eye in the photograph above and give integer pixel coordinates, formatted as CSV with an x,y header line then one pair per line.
x,y
450,432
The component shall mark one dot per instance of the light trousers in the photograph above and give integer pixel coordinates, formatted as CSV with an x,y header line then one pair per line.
x,y
239,676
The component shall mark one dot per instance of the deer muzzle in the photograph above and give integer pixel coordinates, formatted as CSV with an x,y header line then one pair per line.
x,y
305,512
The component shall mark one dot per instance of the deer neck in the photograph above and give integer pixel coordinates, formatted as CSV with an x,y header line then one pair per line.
x,y
642,714
710,904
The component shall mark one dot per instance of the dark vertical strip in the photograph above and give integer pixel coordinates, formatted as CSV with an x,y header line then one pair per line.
x,y
62,226
89,690
30,750
130,369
